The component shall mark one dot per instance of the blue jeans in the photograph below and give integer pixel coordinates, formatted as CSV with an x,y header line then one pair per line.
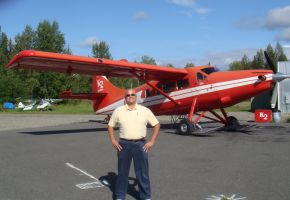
x,y
133,150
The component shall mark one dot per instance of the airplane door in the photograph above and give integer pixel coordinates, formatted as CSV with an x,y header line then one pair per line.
x,y
208,97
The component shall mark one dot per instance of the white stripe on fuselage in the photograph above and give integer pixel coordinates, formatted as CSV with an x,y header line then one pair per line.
x,y
181,94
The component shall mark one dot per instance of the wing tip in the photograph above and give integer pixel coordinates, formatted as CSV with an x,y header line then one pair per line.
x,y
25,53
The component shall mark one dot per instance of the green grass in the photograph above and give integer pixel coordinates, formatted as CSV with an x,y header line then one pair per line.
x,y
66,107
74,107
244,106
85,107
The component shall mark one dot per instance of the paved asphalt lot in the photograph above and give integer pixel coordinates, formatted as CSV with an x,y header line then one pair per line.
x,y
71,160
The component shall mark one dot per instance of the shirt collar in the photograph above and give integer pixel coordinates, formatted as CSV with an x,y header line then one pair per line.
x,y
135,108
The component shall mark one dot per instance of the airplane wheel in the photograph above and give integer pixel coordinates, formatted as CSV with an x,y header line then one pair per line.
x,y
233,124
233,121
185,127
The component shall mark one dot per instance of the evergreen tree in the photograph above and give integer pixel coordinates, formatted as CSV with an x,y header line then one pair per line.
x,y
245,62
170,65
26,40
236,65
259,60
101,50
148,60
279,53
49,38
67,50
7,83
272,56
189,65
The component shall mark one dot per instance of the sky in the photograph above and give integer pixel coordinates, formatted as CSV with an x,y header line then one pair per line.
x,y
171,31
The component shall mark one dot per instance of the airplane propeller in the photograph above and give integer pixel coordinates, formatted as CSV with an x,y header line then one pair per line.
x,y
277,77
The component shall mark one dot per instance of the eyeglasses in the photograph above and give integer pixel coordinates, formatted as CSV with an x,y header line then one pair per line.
x,y
130,95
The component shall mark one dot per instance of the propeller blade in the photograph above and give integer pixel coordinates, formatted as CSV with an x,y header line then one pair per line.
x,y
274,96
270,63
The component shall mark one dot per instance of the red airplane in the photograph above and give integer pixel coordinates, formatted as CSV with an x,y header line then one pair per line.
x,y
166,91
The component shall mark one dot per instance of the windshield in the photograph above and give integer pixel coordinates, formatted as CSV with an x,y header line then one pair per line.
x,y
210,70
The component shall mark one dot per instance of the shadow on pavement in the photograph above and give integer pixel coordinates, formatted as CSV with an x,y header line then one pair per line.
x,y
64,131
109,180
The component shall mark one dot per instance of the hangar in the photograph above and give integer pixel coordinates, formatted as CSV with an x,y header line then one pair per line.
x,y
284,88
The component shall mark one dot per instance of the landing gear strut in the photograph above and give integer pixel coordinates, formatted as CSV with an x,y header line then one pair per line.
x,y
187,126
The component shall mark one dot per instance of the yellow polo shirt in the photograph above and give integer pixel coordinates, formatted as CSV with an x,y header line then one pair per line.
x,y
132,123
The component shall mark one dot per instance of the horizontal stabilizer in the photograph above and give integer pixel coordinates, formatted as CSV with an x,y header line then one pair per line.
x,y
90,96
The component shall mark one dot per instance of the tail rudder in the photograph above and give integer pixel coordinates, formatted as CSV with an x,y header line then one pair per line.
x,y
100,84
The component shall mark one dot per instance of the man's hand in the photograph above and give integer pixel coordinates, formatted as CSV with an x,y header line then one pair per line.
x,y
114,142
116,145
148,146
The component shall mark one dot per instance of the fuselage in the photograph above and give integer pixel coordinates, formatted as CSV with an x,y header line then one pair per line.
x,y
211,88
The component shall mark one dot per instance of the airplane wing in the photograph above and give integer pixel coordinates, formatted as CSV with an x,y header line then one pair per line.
x,y
56,62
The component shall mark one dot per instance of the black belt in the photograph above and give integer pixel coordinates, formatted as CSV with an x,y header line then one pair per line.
x,y
136,140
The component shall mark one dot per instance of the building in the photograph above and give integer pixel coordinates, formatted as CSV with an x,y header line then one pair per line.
x,y
284,88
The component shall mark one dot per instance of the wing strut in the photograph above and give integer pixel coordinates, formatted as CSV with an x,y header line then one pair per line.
x,y
156,88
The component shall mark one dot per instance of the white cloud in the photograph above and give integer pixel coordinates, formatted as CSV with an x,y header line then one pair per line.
x,y
251,23
139,16
202,11
89,42
278,18
183,2
192,5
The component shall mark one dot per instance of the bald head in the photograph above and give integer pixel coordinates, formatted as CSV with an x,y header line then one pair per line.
x,y
130,97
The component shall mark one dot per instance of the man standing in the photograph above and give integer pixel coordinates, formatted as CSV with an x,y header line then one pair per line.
x,y
132,120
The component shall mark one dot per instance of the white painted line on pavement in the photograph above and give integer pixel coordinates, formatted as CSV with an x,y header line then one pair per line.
x,y
88,185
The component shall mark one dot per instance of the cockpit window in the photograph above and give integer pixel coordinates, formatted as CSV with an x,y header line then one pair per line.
x,y
210,70
200,76
181,84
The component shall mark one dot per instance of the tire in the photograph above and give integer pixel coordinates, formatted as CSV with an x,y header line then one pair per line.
x,y
233,121
233,124
185,127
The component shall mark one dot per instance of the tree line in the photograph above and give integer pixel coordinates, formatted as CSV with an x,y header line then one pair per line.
x,y
259,60
28,84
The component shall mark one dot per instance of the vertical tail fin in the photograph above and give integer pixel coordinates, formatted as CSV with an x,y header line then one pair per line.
x,y
100,84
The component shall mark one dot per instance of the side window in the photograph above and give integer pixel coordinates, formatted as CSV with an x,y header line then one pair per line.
x,y
200,76
166,87
147,93
181,84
